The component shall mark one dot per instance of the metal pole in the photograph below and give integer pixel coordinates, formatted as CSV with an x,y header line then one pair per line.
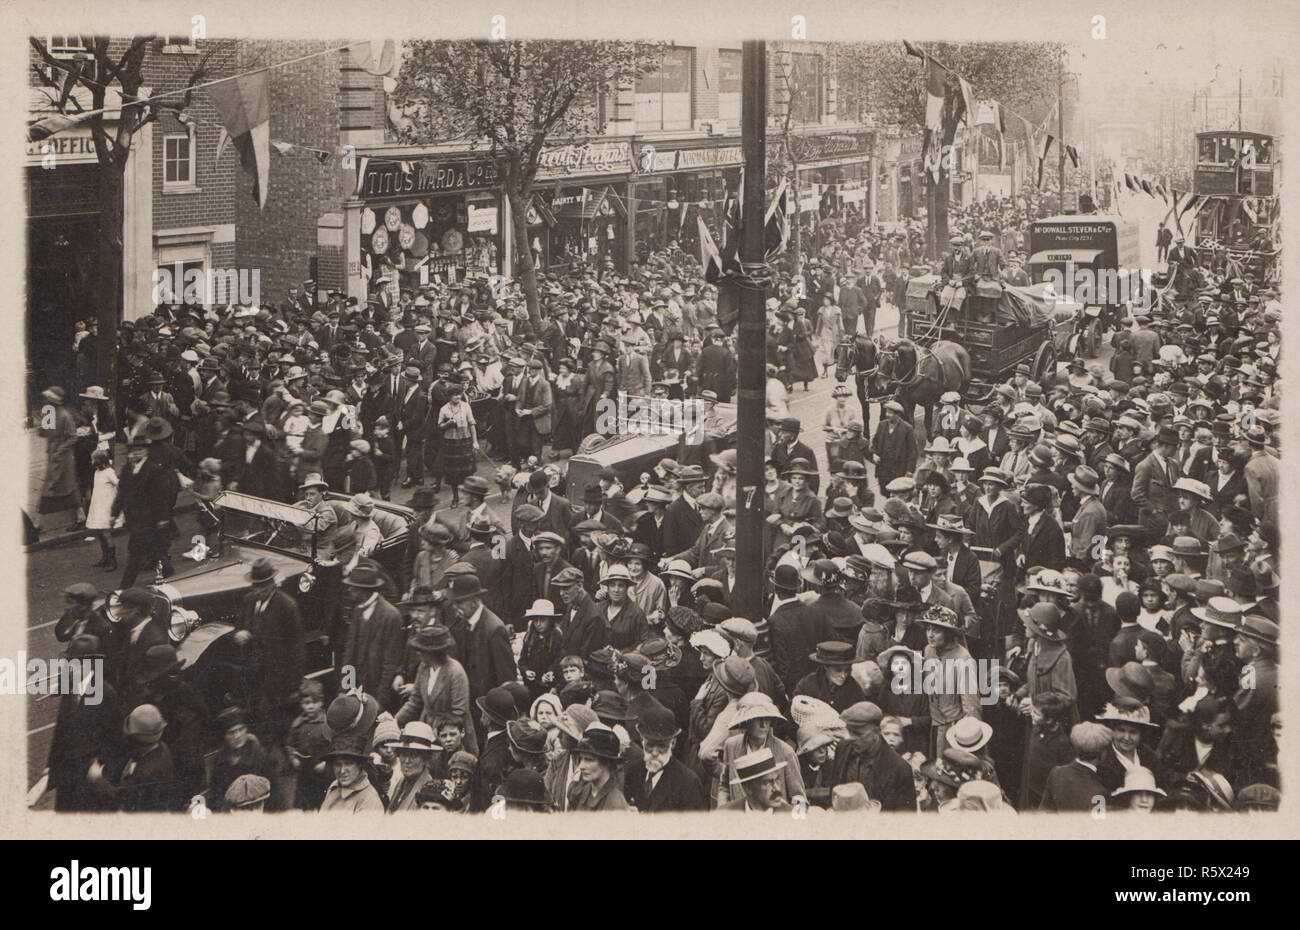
x,y
1060,126
751,401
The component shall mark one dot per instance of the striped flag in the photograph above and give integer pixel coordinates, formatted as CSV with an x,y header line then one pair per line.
x,y
710,257
776,223
1044,146
244,104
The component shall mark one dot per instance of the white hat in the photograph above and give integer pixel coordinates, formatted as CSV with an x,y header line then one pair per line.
x,y
713,641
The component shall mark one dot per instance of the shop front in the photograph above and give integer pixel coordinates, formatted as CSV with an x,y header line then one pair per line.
x,y
677,184
423,221
579,214
834,182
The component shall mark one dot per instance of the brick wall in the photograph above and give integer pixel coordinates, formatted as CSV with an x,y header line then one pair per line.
x,y
211,202
306,108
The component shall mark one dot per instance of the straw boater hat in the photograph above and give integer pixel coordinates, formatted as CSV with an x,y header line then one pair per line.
x,y
969,733
1138,779
756,764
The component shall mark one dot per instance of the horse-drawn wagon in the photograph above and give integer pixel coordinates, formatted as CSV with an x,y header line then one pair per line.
x,y
1000,326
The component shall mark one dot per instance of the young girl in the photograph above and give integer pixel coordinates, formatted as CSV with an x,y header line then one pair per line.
x,y
99,518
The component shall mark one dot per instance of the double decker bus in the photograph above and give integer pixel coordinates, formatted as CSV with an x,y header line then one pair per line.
x,y
1236,168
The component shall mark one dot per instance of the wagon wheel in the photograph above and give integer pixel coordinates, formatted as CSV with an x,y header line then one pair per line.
x,y
1044,362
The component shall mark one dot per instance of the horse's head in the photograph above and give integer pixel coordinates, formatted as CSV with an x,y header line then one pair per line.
x,y
845,356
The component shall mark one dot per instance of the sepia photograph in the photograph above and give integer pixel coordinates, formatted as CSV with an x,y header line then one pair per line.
x,y
797,416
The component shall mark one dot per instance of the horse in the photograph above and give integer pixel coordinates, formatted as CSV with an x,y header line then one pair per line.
x,y
857,355
922,376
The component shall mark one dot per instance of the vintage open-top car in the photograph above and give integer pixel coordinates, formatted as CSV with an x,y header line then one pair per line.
x,y
201,604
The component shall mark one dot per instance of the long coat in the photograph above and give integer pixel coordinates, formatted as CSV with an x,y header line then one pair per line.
x,y
1045,544
374,648
278,644
489,660
895,448
450,696
60,466
678,789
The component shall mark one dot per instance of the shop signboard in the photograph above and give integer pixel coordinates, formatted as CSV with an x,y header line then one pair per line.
x,y
388,180
589,158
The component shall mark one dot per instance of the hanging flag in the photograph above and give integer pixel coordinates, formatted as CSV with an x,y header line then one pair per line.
x,y
44,128
990,113
967,100
1045,146
1073,154
934,95
324,157
913,50
1248,207
710,257
776,223
377,56
284,148
1146,186
1131,182
245,108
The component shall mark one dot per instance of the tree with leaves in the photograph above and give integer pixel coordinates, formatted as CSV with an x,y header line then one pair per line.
x,y
107,80
1019,75
514,98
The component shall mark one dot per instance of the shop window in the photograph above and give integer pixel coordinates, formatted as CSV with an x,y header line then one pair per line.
x,y
663,95
805,76
178,160
729,77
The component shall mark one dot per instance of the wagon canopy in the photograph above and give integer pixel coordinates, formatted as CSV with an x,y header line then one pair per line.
x,y
1034,305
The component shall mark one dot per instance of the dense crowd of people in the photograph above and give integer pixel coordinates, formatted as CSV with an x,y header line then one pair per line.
x,y
1103,542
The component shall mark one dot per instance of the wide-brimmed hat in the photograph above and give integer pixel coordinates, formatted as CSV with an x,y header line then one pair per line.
x,y
833,654
970,734
852,796
526,735
600,741
313,480
349,746
94,392
756,764
364,576
433,638
940,617
352,712
1131,680
995,475
418,736
156,428
1127,710
1085,480
263,569
1136,779
1260,629
799,467
950,523
755,706
1220,611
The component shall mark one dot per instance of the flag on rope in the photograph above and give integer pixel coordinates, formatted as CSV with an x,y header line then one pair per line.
x,y
776,223
913,50
1131,182
1045,146
989,113
1073,154
377,56
710,257
244,105
967,100
935,87
284,148
44,128
1146,186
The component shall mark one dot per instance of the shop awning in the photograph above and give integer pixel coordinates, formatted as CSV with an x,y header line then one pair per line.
x,y
584,208
1056,256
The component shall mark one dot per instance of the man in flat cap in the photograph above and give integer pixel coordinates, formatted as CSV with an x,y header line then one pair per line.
x,y
866,758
